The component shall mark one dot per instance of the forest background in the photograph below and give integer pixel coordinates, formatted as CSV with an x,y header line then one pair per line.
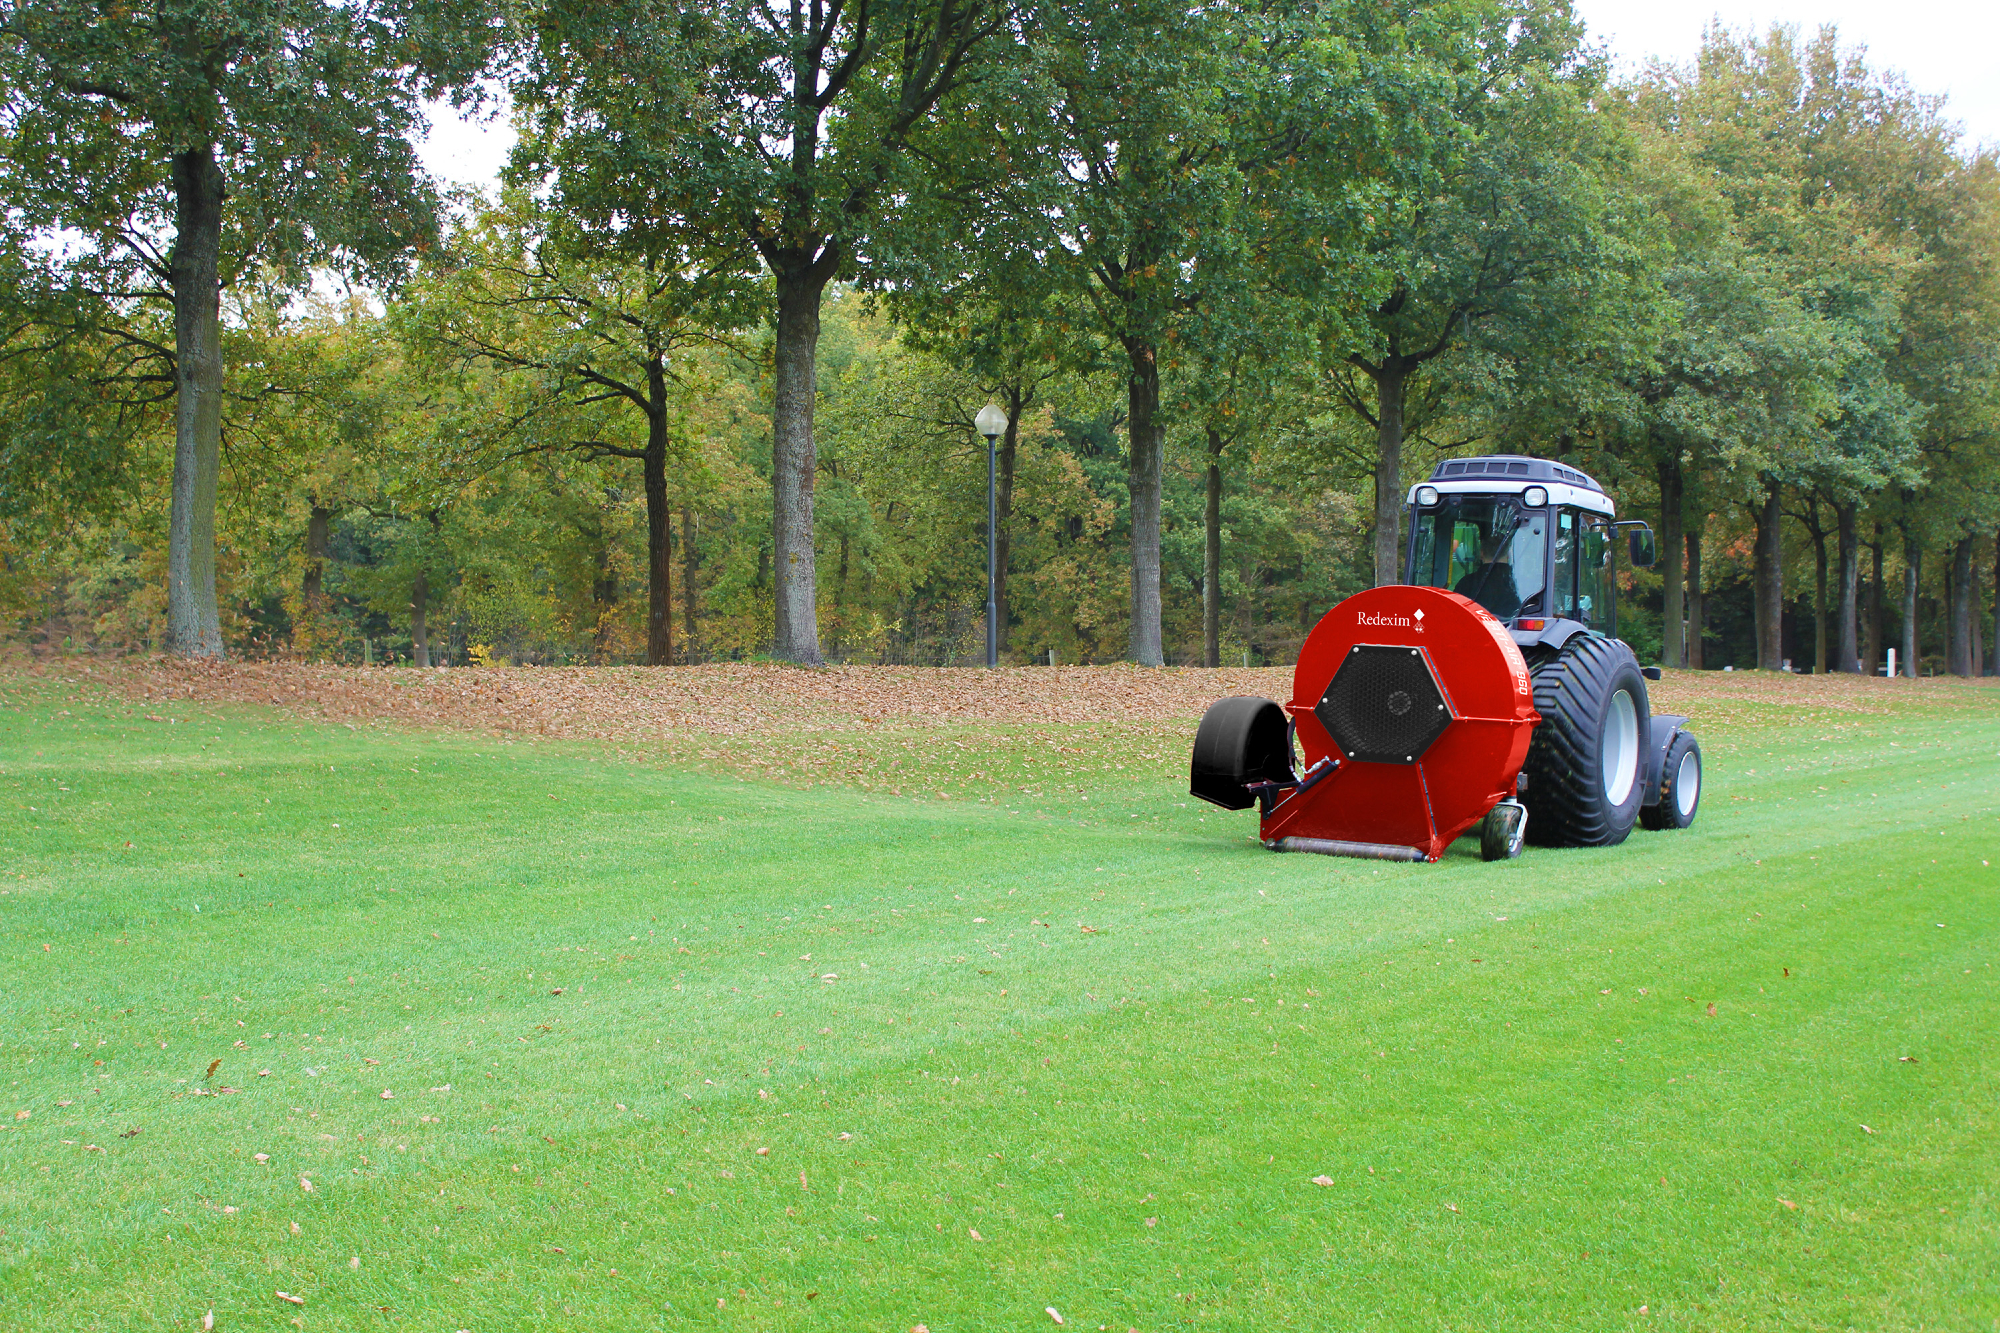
x,y
698,383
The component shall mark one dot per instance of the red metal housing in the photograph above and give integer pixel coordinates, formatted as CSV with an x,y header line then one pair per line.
x,y
1433,708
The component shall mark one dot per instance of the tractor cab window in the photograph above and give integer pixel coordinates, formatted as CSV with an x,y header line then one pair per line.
x,y
1562,585
1581,586
1594,588
1484,547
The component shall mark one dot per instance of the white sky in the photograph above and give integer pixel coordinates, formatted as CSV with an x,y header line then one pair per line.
x,y
1948,47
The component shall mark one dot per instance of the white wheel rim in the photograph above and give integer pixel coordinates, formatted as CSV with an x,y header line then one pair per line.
x,y
1687,783
1620,757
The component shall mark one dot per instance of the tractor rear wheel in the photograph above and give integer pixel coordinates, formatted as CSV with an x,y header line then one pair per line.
x,y
1585,761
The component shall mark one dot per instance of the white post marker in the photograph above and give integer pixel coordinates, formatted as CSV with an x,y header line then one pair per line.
x,y
1892,664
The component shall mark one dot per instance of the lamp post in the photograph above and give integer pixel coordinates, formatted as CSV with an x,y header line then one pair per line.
x,y
990,422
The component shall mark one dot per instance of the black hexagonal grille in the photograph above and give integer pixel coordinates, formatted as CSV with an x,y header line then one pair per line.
x,y
1384,705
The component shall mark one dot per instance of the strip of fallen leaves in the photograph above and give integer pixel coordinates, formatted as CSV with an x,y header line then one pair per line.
x,y
905,730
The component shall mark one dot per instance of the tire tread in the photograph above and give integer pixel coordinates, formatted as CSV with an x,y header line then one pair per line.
x,y
1572,688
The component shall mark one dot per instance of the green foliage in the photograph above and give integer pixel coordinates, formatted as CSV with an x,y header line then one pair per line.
x,y
1162,239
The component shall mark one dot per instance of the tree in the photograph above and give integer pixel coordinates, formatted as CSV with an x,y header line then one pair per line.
x,y
192,146
1191,147
572,335
1500,244
788,134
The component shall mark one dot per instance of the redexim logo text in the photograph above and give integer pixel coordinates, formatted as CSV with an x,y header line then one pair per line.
x,y
1382,618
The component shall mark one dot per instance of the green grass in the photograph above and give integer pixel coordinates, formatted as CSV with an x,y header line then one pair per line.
x,y
1508,1073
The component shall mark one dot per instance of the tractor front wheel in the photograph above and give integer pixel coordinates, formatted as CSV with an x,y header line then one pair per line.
x,y
1680,786
1584,762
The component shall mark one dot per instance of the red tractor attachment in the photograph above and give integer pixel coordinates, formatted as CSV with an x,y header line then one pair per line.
x,y
1412,710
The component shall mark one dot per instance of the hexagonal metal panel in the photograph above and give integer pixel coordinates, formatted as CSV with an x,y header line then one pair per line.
x,y
1383,705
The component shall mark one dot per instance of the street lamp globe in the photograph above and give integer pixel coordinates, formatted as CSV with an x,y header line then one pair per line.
x,y
991,421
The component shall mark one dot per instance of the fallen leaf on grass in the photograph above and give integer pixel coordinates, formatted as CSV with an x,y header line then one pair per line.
x,y
1906,1059
295,1300
132,1133
305,1185
23,1115
1051,1312
1452,1207
763,1152
207,1320
213,1065
1322,1180
387,1095
261,1158
974,1233
1788,1203
1866,1130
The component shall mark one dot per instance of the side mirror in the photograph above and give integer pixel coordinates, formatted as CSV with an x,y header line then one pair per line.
x,y
1640,543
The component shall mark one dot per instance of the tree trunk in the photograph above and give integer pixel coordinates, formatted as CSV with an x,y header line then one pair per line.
x,y
659,525
1821,666
420,596
1996,606
316,543
1147,438
1976,662
1211,557
1694,598
1673,651
794,462
1389,472
1873,661
194,626
1010,440
1959,612
1769,583
604,595
1912,566
688,605
1847,657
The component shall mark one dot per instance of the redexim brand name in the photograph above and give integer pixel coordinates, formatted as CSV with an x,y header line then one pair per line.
x,y
1370,618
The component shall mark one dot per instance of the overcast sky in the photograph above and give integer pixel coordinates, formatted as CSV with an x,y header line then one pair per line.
x,y
1948,47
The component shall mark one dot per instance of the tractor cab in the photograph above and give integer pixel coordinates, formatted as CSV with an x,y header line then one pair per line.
x,y
1529,539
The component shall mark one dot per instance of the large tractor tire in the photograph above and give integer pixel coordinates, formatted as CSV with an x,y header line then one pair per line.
x,y
1586,760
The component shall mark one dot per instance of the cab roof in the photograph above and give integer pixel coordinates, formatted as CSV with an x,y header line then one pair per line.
x,y
1513,468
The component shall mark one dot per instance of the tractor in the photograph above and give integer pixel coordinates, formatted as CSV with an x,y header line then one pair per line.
x,y
1489,688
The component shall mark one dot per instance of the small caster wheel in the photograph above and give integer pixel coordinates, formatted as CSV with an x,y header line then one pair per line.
x,y
1500,833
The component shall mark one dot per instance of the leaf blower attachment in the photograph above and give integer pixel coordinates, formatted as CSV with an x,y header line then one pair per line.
x,y
1412,711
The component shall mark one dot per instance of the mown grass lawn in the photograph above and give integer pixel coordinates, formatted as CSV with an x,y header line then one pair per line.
x,y
565,1043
